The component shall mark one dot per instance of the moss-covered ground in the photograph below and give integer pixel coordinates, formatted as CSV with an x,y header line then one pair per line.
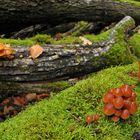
x,y
62,117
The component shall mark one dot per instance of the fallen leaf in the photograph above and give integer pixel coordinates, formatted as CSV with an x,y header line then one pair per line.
x,y
2,46
6,101
42,96
20,101
85,41
30,97
6,51
8,109
35,51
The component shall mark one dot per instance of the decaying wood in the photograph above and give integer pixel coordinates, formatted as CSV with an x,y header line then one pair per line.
x,y
16,14
57,61
42,29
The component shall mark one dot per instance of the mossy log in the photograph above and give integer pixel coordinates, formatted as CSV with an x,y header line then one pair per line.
x,y
64,61
16,14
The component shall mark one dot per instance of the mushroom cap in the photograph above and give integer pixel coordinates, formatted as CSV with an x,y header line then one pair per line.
x,y
126,90
117,92
118,113
133,108
109,109
89,119
127,103
125,114
115,118
96,117
118,102
133,96
108,98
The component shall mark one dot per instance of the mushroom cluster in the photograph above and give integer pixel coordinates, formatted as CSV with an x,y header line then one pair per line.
x,y
6,51
120,103
91,118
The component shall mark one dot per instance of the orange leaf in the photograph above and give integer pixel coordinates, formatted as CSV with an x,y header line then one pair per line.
x,y
2,46
6,51
35,51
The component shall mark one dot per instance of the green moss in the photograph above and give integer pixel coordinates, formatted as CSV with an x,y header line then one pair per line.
x,y
42,39
17,42
68,40
134,44
57,86
54,119
135,2
119,54
80,27
96,38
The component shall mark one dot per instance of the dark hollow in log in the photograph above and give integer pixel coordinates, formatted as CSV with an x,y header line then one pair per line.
x,y
16,14
57,61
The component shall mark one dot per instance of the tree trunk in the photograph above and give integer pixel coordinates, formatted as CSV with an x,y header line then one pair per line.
x,y
60,61
18,14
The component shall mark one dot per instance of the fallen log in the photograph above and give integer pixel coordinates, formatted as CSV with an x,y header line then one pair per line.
x,y
63,61
17,14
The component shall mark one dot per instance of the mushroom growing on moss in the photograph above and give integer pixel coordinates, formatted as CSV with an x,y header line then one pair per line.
x,y
120,103
109,109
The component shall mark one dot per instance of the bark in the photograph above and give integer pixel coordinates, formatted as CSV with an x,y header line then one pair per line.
x,y
57,61
42,29
60,60
19,14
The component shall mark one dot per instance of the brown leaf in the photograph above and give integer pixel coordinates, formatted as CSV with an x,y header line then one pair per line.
x,y
8,109
20,101
35,51
85,41
30,97
6,101
42,96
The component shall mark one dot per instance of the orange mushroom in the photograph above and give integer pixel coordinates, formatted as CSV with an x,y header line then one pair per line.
x,y
133,108
127,103
125,114
96,117
133,96
118,102
118,113
109,109
111,91
117,92
89,119
108,98
115,118
126,90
